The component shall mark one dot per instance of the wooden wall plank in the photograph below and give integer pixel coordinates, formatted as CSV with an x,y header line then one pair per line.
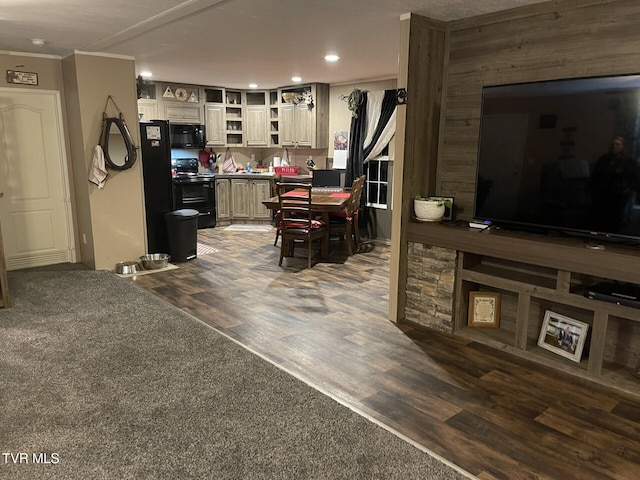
x,y
552,40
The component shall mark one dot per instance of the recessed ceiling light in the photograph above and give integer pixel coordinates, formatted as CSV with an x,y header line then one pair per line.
x,y
296,79
146,74
253,85
38,42
332,58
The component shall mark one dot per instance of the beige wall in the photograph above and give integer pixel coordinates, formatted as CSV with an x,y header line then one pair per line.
x,y
111,220
47,67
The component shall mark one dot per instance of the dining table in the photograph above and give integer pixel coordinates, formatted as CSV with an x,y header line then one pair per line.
x,y
322,202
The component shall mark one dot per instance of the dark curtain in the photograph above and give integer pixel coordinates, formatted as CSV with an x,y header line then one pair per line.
x,y
357,134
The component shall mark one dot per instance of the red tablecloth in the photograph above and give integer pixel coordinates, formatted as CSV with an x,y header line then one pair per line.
x,y
294,193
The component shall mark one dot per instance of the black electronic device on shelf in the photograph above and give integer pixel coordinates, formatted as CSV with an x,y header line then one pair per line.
x,y
615,292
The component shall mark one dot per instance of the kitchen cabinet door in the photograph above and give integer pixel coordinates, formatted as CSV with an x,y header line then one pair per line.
x,y
256,126
287,125
215,124
182,114
147,110
303,124
260,191
302,127
223,201
240,198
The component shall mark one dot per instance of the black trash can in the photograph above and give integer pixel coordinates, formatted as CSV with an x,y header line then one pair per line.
x,y
182,228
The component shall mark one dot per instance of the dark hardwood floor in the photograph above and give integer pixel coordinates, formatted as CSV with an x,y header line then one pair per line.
x,y
492,414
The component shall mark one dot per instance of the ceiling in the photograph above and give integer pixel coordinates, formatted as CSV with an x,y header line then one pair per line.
x,y
232,43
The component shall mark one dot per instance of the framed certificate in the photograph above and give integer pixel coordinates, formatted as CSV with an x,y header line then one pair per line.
x,y
484,309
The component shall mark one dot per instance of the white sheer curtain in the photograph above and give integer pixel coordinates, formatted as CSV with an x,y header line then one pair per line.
x,y
374,110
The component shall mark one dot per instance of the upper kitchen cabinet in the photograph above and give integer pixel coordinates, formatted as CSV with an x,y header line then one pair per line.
x,y
181,103
256,119
147,109
274,119
234,118
304,116
214,117
147,103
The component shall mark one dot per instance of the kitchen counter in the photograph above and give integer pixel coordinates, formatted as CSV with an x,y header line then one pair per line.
x,y
245,175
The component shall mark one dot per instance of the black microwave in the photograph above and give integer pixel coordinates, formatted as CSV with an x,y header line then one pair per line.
x,y
187,135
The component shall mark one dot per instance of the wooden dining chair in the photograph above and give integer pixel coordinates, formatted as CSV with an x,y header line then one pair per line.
x,y
345,222
298,223
276,214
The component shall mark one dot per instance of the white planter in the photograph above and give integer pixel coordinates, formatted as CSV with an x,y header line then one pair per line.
x,y
428,210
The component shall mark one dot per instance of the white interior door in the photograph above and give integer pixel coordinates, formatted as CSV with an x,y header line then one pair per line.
x,y
35,209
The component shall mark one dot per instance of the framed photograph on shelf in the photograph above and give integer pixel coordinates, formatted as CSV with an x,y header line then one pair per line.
x,y
484,309
563,336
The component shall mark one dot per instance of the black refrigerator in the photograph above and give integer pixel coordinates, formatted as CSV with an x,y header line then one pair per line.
x,y
155,146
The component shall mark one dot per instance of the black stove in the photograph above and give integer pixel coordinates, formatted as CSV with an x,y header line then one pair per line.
x,y
194,190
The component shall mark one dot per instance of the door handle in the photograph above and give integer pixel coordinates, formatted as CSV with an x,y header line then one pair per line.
x,y
1,194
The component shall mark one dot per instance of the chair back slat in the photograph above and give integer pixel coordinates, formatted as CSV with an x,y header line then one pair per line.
x,y
295,205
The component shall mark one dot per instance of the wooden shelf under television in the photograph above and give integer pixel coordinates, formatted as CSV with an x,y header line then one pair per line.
x,y
534,273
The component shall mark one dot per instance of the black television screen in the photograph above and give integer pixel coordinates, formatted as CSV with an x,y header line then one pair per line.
x,y
561,155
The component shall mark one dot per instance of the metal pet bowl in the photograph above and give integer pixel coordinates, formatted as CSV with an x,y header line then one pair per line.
x,y
154,261
126,268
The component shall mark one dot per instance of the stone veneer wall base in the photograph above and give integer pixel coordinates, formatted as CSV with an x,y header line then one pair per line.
x,y
430,285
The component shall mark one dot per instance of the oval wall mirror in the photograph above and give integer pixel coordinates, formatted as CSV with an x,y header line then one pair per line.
x,y
119,151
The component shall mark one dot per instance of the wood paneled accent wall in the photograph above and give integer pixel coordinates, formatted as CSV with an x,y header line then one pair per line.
x,y
552,40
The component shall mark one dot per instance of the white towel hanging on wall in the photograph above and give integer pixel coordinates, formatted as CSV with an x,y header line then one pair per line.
x,y
98,171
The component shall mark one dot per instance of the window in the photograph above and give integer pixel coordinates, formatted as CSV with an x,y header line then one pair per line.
x,y
377,170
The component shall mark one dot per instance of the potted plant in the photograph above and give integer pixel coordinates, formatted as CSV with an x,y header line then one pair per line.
x,y
430,209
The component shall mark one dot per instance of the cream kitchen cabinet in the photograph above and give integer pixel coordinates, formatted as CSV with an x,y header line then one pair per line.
x,y
256,130
183,113
180,103
256,118
303,127
239,199
147,110
274,119
234,118
247,195
223,201
215,125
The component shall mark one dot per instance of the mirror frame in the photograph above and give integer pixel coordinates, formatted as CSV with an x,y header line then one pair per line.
x,y
132,152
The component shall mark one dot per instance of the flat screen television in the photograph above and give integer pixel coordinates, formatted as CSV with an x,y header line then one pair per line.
x,y
562,156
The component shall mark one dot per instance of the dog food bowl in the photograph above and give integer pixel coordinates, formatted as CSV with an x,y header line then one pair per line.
x,y
154,261
126,268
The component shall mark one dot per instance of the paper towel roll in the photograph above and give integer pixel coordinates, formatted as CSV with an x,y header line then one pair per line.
x,y
276,161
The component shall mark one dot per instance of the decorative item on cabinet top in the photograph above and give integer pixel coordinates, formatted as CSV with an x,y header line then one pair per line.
x,y
296,98
181,93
